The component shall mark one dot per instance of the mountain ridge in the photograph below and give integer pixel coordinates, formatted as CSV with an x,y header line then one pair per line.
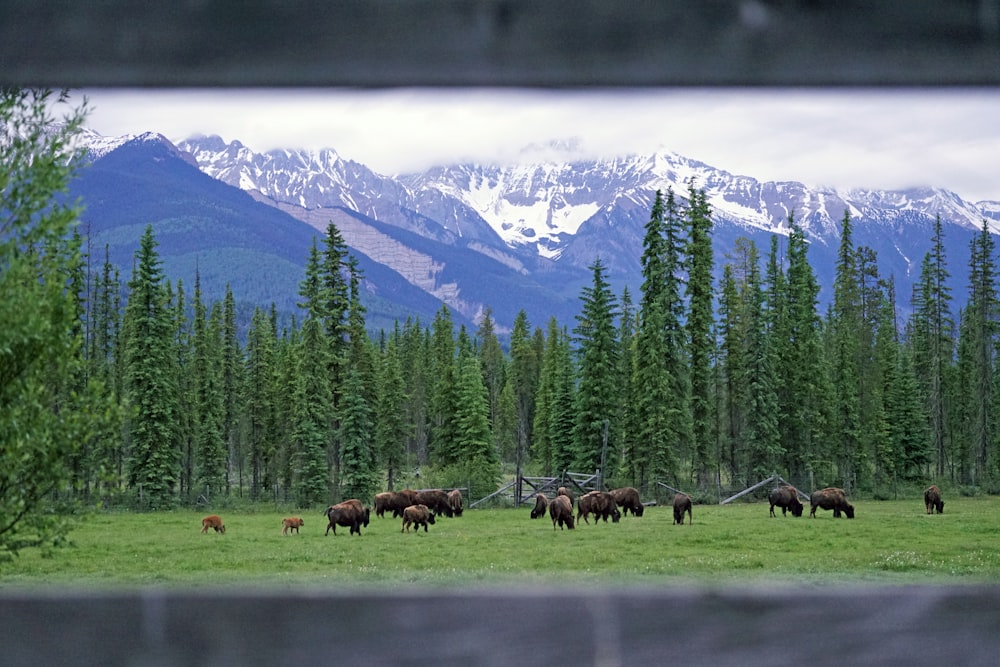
x,y
538,226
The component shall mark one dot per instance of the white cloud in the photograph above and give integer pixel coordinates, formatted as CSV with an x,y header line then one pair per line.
x,y
843,138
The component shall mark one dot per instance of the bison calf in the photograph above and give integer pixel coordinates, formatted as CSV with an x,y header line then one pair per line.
x,y
682,504
291,523
932,500
213,521
830,499
787,498
416,516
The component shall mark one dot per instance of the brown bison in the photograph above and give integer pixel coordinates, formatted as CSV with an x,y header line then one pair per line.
x,y
214,521
682,503
455,502
383,502
563,491
932,500
416,516
561,511
628,499
541,504
349,514
436,501
787,498
598,503
830,499
394,501
291,523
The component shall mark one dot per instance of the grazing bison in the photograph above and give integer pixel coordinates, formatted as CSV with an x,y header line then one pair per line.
x,y
561,511
932,500
436,501
455,502
349,514
628,499
563,491
830,499
682,503
416,516
787,498
214,521
291,523
541,504
598,503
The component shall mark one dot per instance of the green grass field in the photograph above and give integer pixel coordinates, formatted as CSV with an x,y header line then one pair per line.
x,y
890,542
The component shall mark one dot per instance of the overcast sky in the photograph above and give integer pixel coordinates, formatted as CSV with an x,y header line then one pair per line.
x,y
947,138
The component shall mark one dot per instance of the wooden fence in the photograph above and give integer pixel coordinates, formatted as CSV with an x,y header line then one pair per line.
x,y
913,626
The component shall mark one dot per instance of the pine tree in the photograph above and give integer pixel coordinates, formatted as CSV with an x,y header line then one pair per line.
x,y
701,342
846,326
359,477
151,381
443,446
660,368
390,425
932,334
232,384
804,389
598,395
313,408
523,373
475,454
493,365
259,399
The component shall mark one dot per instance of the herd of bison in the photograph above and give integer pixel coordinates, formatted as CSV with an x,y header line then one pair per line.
x,y
419,508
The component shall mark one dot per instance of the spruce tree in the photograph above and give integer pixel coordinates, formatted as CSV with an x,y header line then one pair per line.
x,y
846,326
390,412
150,374
476,456
701,341
358,476
932,334
523,373
598,396
259,399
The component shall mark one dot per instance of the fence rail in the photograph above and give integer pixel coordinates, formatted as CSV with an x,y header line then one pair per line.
x,y
918,625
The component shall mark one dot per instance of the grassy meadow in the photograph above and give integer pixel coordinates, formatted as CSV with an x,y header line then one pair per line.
x,y
890,542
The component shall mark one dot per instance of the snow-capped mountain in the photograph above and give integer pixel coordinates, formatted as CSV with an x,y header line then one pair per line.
x,y
471,235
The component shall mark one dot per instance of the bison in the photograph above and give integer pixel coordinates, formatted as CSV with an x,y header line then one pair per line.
x,y
436,501
561,511
349,514
563,491
932,500
682,503
291,523
598,503
628,499
787,498
394,501
384,502
416,516
455,502
541,504
830,499
214,521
